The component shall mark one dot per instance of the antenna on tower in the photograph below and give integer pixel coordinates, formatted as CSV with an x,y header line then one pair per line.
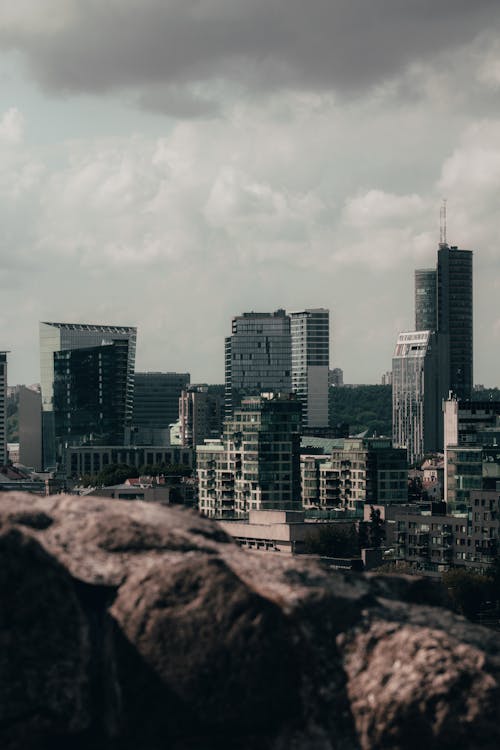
x,y
442,224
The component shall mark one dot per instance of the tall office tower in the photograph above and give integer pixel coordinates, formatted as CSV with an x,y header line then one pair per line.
x,y
310,331
425,299
156,404
454,315
257,464
30,428
419,383
258,357
59,337
3,408
200,415
91,397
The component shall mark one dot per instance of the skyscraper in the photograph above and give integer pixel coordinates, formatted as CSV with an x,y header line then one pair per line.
x,y
258,357
60,337
419,383
425,299
310,331
454,315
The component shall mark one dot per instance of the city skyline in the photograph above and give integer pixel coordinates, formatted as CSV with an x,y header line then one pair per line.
x,y
247,157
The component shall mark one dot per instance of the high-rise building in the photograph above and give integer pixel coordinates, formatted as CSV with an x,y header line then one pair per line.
x,y
256,466
91,397
419,383
310,331
454,315
200,415
30,428
3,408
156,405
258,357
425,299
60,337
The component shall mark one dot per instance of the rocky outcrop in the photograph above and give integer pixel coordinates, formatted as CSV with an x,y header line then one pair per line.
x,y
131,625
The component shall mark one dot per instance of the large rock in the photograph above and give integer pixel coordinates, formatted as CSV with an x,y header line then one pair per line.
x,y
133,626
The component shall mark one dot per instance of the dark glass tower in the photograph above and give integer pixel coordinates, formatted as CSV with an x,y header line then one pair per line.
x,y
258,357
425,299
91,396
454,315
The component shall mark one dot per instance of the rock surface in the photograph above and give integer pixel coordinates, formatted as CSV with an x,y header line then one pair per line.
x,y
134,626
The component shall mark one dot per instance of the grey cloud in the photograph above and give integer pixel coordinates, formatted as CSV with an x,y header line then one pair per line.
x,y
261,44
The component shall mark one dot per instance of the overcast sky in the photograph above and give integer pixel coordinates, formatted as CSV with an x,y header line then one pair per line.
x,y
171,163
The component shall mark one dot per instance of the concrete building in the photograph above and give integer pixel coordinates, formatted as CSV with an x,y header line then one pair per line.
x,y
426,299
3,408
310,330
200,415
257,464
419,383
91,459
258,357
156,405
64,337
30,428
455,315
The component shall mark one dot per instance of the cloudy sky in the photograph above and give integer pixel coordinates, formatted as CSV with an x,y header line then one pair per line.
x,y
171,163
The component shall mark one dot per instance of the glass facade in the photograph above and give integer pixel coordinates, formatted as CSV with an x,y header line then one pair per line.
x,y
454,295
425,299
57,337
310,330
258,357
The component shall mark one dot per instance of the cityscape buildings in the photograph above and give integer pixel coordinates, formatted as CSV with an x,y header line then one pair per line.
x,y
258,357
310,332
64,337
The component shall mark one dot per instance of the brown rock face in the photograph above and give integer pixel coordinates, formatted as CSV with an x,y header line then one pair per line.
x,y
134,626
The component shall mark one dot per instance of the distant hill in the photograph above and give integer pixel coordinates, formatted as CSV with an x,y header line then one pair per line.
x,y
363,407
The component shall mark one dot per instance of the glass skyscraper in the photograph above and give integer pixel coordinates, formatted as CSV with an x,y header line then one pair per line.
x,y
310,364
425,299
454,315
57,338
258,357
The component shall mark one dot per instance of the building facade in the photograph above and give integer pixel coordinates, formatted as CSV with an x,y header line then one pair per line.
x,y
455,316
426,299
258,357
60,337
256,465
419,372
200,415
310,331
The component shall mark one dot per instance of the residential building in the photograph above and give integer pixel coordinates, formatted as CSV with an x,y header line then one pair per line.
x,y
30,428
426,299
257,463
200,415
258,357
3,409
64,337
455,315
419,372
364,471
310,330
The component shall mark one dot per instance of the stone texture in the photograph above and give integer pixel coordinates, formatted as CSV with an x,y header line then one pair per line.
x,y
131,625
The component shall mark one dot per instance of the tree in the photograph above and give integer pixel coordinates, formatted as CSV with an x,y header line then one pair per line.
x,y
333,540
